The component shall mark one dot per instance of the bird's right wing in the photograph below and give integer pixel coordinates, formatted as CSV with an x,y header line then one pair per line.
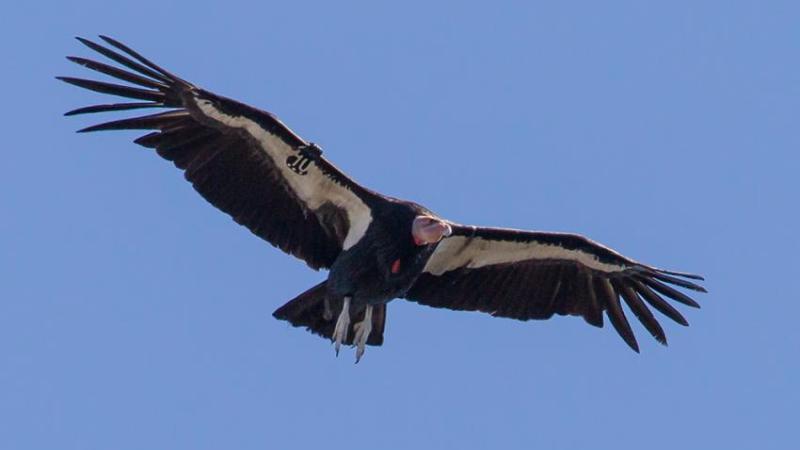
x,y
243,160
533,275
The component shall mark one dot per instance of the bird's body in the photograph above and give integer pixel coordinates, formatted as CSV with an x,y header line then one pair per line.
x,y
379,267
376,248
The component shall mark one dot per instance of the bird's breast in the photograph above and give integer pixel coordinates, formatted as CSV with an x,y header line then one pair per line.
x,y
376,273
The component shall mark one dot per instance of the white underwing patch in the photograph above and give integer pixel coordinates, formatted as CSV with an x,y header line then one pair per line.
x,y
314,188
472,252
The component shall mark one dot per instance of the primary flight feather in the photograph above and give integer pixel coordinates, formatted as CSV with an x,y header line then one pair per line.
x,y
250,165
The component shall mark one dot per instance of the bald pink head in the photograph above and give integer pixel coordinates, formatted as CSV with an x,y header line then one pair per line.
x,y
429,230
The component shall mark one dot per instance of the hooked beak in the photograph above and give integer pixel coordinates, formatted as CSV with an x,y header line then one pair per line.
x,y
448,230
428,230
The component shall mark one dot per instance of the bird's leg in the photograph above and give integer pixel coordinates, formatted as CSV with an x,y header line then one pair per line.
x,y
342,325
362,330
327,313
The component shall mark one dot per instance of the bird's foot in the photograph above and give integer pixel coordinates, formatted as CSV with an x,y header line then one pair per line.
x,y
342,325
362,330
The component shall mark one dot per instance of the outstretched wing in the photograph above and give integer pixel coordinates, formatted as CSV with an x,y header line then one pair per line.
x,y
533,275
241,159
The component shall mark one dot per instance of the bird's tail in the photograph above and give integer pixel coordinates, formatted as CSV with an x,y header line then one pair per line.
x,y
308,310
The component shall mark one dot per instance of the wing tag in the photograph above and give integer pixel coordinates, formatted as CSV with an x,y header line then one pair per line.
x,y
299,164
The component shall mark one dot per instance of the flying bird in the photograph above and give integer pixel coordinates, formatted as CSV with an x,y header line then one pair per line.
x,y
376,248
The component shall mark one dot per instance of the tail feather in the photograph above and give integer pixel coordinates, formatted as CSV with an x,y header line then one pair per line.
x,y
308,310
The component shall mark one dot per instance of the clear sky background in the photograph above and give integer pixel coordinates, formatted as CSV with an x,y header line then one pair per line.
x,y
133,315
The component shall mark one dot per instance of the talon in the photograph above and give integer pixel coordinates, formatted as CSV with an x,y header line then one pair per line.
x,y
342,325
362,330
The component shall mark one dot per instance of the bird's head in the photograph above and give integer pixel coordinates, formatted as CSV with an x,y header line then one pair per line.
x,y
429,230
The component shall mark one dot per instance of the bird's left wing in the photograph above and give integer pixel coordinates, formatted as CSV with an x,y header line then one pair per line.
x,y
533,275
243,160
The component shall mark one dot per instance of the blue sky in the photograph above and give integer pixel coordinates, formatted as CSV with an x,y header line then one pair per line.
x,y
134,315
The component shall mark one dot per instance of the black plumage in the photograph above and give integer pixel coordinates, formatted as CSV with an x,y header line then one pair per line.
x,y
248,164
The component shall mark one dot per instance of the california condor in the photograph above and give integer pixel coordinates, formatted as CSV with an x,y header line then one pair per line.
x,y
250,165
